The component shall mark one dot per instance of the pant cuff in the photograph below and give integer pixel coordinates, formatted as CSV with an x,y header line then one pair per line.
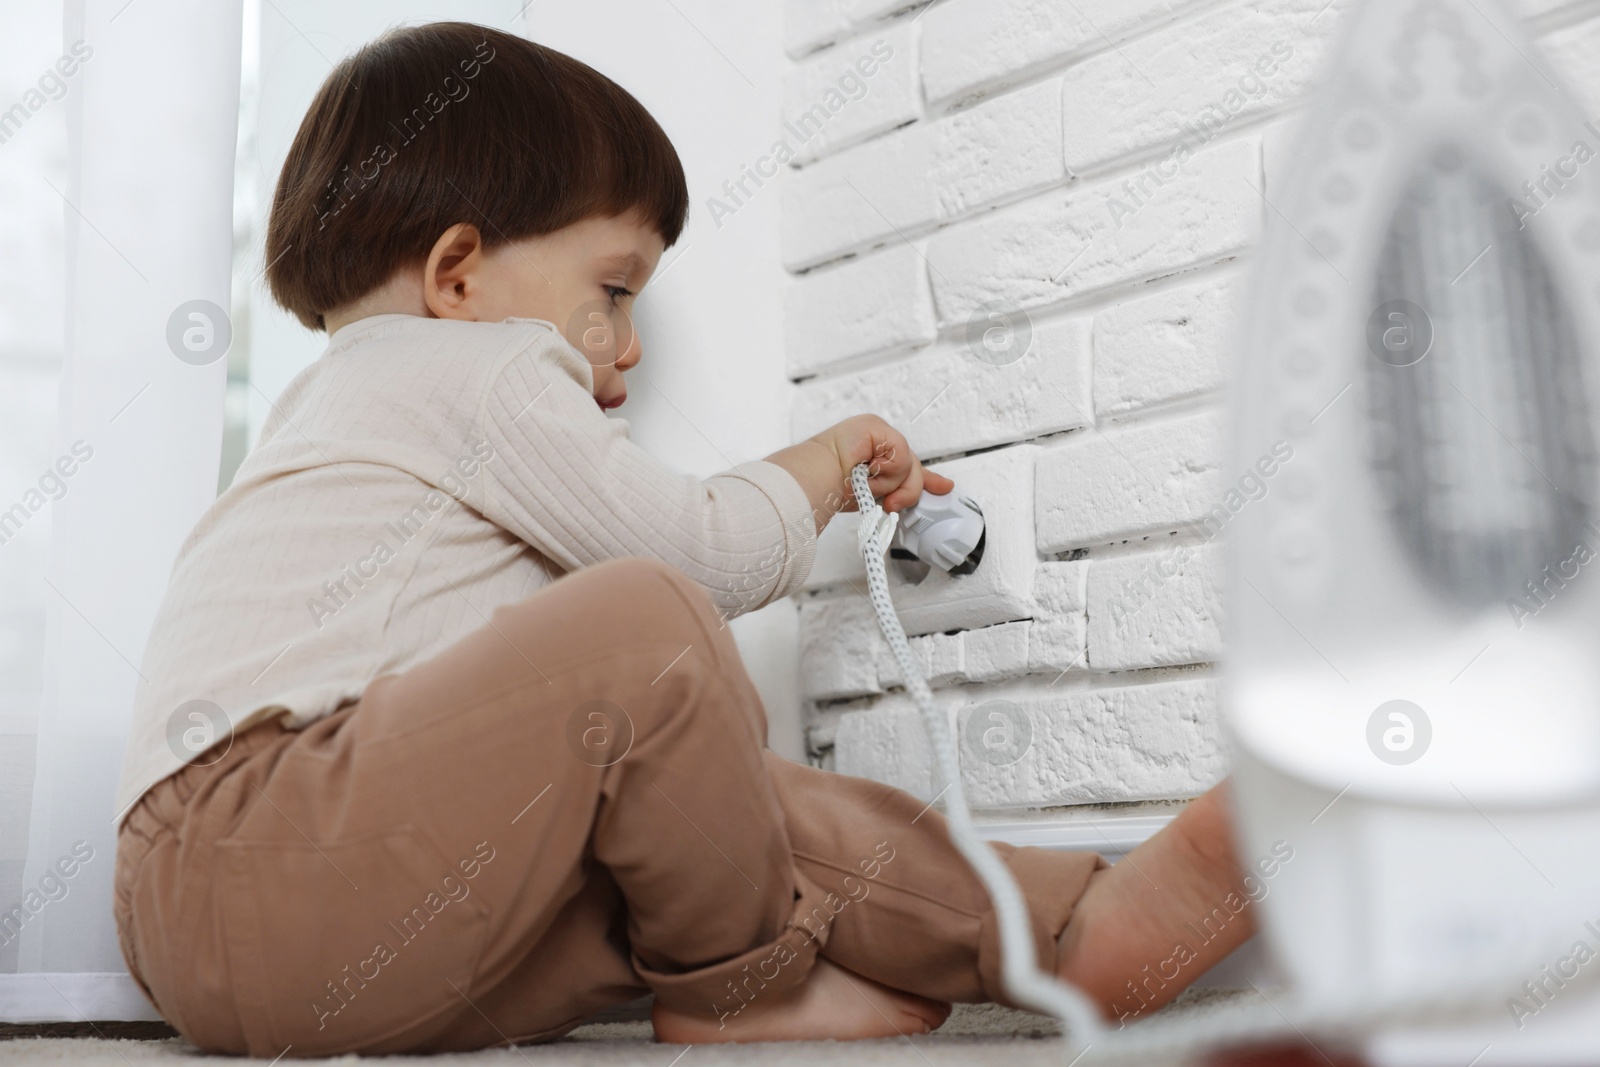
x,y
722,990
1052,884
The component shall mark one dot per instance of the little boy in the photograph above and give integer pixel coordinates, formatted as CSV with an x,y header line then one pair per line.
x,y
444,742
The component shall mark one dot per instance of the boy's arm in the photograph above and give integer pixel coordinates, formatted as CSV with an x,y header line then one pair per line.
x,y
567,480
822,466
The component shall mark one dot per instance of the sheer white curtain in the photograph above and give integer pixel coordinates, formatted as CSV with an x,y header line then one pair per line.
x,y
152,121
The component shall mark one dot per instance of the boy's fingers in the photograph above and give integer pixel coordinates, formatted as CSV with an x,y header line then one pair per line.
x,y
905,494
918,480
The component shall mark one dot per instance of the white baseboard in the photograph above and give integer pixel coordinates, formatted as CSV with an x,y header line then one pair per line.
x,y
1110,835
42,997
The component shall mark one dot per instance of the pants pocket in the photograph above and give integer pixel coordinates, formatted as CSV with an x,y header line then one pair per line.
x,y
346,946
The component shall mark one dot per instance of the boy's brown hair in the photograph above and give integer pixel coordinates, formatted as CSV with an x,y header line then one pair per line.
x,y
449,122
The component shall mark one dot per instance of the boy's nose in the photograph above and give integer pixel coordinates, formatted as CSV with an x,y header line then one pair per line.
x,y
634,352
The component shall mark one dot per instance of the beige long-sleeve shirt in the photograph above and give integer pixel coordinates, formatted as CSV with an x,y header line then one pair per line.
x,y
419,474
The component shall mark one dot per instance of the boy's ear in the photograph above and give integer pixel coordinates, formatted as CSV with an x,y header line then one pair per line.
x,y
454,273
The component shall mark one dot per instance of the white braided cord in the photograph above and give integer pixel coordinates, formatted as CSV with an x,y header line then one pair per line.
x,y
1025,983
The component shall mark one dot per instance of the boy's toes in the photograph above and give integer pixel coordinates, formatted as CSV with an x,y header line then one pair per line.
x,y
933,1013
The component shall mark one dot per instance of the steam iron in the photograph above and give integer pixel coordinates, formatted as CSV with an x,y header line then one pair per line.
x,y
1412,688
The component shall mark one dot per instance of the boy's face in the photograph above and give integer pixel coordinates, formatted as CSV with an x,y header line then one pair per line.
x,y
583,278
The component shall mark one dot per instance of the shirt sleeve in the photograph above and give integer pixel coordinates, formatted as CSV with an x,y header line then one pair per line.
x,y
566,479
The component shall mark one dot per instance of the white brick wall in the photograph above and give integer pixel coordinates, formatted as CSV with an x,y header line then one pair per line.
x,y
1165,346
946,402
1108,485
1212,74
924,175
1053,247
880,304
1092,173
845,94
1114,743
1155,610
976,46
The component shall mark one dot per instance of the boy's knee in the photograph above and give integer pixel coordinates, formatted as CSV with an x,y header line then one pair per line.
x,y
638,571
641,598
642,585
620,603
659,601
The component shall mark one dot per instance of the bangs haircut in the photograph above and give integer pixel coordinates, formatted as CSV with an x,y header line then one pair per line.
x,y
449,122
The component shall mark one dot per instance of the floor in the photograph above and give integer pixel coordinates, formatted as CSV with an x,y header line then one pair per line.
x,y
975,1034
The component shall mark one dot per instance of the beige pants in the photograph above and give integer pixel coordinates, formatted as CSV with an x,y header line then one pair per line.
x,y
567,809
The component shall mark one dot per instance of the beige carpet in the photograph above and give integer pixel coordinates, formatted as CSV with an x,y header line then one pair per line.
x,y
975,1034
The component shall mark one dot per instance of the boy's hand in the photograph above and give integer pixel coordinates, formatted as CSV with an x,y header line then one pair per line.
x,y
822,465
893,470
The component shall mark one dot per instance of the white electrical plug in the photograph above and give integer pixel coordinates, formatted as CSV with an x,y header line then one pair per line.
x,y
945,531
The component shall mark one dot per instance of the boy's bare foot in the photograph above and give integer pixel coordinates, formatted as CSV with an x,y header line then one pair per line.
x,y
832,1003
1169,911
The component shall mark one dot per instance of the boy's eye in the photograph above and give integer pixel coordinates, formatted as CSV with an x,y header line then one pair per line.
x,y
617,292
